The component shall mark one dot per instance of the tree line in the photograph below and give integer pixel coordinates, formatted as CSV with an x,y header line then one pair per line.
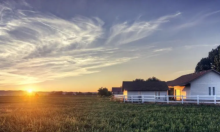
x,y
151,79
60,93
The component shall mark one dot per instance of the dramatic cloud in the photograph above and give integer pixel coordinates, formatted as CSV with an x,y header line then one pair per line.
x,y
36,47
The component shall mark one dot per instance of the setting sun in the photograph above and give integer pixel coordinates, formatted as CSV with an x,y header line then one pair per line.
x,y
29,90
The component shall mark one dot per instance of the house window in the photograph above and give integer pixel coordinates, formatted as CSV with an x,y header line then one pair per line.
x,y
157,94
209,90
213,90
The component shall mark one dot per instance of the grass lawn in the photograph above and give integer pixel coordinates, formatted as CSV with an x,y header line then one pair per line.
x,y
87,114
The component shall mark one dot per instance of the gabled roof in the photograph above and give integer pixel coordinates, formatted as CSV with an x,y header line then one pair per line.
x,y
144,86
186,79
116,89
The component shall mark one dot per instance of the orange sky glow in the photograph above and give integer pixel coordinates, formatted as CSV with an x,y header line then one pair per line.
x,y
82,46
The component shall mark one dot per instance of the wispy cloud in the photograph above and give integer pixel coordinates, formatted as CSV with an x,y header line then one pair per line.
x,y
200,45
196,20
182,72
124,33
163,49
36,47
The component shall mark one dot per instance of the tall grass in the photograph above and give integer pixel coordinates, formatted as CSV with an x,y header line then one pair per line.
x,y
85,114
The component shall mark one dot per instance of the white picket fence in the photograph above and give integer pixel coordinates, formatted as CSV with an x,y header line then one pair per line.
x,y
198,99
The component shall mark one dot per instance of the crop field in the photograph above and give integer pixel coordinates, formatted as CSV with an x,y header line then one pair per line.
x,y
94,114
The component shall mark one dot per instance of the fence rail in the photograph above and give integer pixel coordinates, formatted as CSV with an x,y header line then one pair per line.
x,y
198,99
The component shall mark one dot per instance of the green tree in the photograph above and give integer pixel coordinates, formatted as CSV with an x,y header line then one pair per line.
x,y
204,64
138,80
104,92
212,61
153,79
148,80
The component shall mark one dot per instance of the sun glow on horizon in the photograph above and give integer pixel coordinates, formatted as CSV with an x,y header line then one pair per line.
x,y
30,91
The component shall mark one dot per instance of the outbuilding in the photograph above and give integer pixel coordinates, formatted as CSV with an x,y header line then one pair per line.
x,y
117,91
145,88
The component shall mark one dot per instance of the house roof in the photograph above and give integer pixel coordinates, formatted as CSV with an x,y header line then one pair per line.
x,y
186,79
144,86
116,89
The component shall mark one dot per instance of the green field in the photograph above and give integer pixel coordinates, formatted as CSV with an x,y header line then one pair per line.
x,y
87,114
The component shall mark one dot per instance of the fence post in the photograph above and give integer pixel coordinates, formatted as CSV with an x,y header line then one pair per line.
x,y
142,98
182,99
124,98
154,99
215,99
167,99
198,99
131,98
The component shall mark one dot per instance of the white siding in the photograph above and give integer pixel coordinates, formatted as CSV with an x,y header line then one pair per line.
x,y
146,92
150,94
201,85
187,89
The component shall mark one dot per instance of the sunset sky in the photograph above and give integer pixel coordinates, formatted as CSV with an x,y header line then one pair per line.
x,y
81,45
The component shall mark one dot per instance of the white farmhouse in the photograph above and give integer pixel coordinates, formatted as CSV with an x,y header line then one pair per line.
x,y
200,83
